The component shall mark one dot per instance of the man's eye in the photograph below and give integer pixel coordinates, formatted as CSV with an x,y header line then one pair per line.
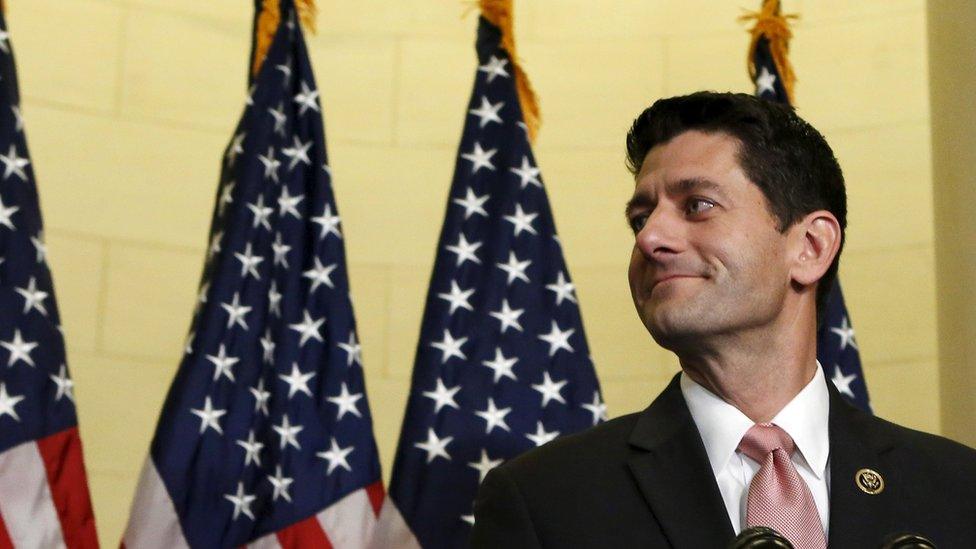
x,y
699,205
637,222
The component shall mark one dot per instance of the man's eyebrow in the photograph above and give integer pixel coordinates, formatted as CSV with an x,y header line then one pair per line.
x,y
693,184
635,202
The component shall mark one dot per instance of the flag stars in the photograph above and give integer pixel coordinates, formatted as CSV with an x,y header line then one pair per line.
x,y
515,268
846,333
8,403
354,351
280,484
280,250
501,366
297,381
19,349
484,465
307,99
18,117
442,396
6,215
261,213
64,383
346,402
508,317
464,250
274,299
288,433
450,347
279,127
297,153
242,502
472,203
487,112
527,173
41,249
271,164
494,417
288,204
223,363
235,149
308,328
209,417
842,382
597,408
494,67
765,82
320,274
336,456
249,262
33,298
329,223
457,297
480,158
550,390
13,164
521,221
236,312
267,347
540,436
558,339
260,397
252,449
435,446
563,288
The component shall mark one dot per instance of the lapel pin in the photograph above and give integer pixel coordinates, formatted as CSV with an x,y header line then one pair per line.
x,y
869,481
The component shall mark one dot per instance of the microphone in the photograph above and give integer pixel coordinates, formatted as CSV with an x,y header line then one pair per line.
x,y
907,541
762,537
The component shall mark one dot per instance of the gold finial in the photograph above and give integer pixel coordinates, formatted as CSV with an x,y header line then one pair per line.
x,y
775,27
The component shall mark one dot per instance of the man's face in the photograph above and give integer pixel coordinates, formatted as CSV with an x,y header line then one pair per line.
x,y
708,258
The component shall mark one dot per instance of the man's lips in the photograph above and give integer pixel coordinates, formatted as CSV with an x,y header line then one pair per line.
x,y
659,279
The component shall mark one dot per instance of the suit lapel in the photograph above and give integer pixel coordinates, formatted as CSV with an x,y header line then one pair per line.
x,y
858,519
674,475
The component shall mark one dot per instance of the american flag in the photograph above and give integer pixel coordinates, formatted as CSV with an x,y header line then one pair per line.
x,y
265,438
502,364
836,347
44,499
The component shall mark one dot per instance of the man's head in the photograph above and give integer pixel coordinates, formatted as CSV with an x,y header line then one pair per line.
x,y
739,208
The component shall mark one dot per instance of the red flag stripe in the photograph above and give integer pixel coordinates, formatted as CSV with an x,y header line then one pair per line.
x,y
306,533
376,494
66,478
5,542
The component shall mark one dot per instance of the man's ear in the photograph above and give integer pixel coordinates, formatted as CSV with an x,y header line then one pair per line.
x,y
817,241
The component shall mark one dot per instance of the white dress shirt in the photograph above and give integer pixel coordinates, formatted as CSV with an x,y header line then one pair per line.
x,y
722,426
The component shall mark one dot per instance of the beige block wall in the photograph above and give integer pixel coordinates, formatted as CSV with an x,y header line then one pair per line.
x,y
129,103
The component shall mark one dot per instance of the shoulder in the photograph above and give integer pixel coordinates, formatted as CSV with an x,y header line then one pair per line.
x,y
584,454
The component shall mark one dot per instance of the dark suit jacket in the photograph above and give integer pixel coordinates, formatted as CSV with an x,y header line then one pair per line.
x,y
643,480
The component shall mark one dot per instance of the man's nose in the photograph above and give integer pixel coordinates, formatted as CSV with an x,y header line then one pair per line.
x,y
660,238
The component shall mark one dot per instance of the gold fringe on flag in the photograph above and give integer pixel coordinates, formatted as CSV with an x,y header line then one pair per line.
x,y
776,29
499,13
267,26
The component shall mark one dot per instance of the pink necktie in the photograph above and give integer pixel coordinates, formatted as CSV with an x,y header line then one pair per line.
x,y
778,497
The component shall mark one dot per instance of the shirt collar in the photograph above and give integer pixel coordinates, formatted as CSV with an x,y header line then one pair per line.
x,y
722,425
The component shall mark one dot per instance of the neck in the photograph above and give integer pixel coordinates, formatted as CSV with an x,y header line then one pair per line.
x,y
759,372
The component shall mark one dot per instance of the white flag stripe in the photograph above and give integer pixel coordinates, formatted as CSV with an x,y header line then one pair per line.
x,y
267,542
152,521
392,531
25,499
345,523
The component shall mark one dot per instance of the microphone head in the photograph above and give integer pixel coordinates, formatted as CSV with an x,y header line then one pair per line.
x,y
760,537
907,541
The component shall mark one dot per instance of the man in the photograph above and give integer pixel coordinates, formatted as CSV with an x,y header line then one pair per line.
x,y
738,213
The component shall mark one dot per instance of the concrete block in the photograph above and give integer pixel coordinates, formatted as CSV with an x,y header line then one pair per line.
x,y
370,286
68,51
76,266
890,295
124,180
197,80
714,61
150,301
434,81
906,393
407,298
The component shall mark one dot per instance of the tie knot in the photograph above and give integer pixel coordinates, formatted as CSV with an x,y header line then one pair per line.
x,y
763,438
